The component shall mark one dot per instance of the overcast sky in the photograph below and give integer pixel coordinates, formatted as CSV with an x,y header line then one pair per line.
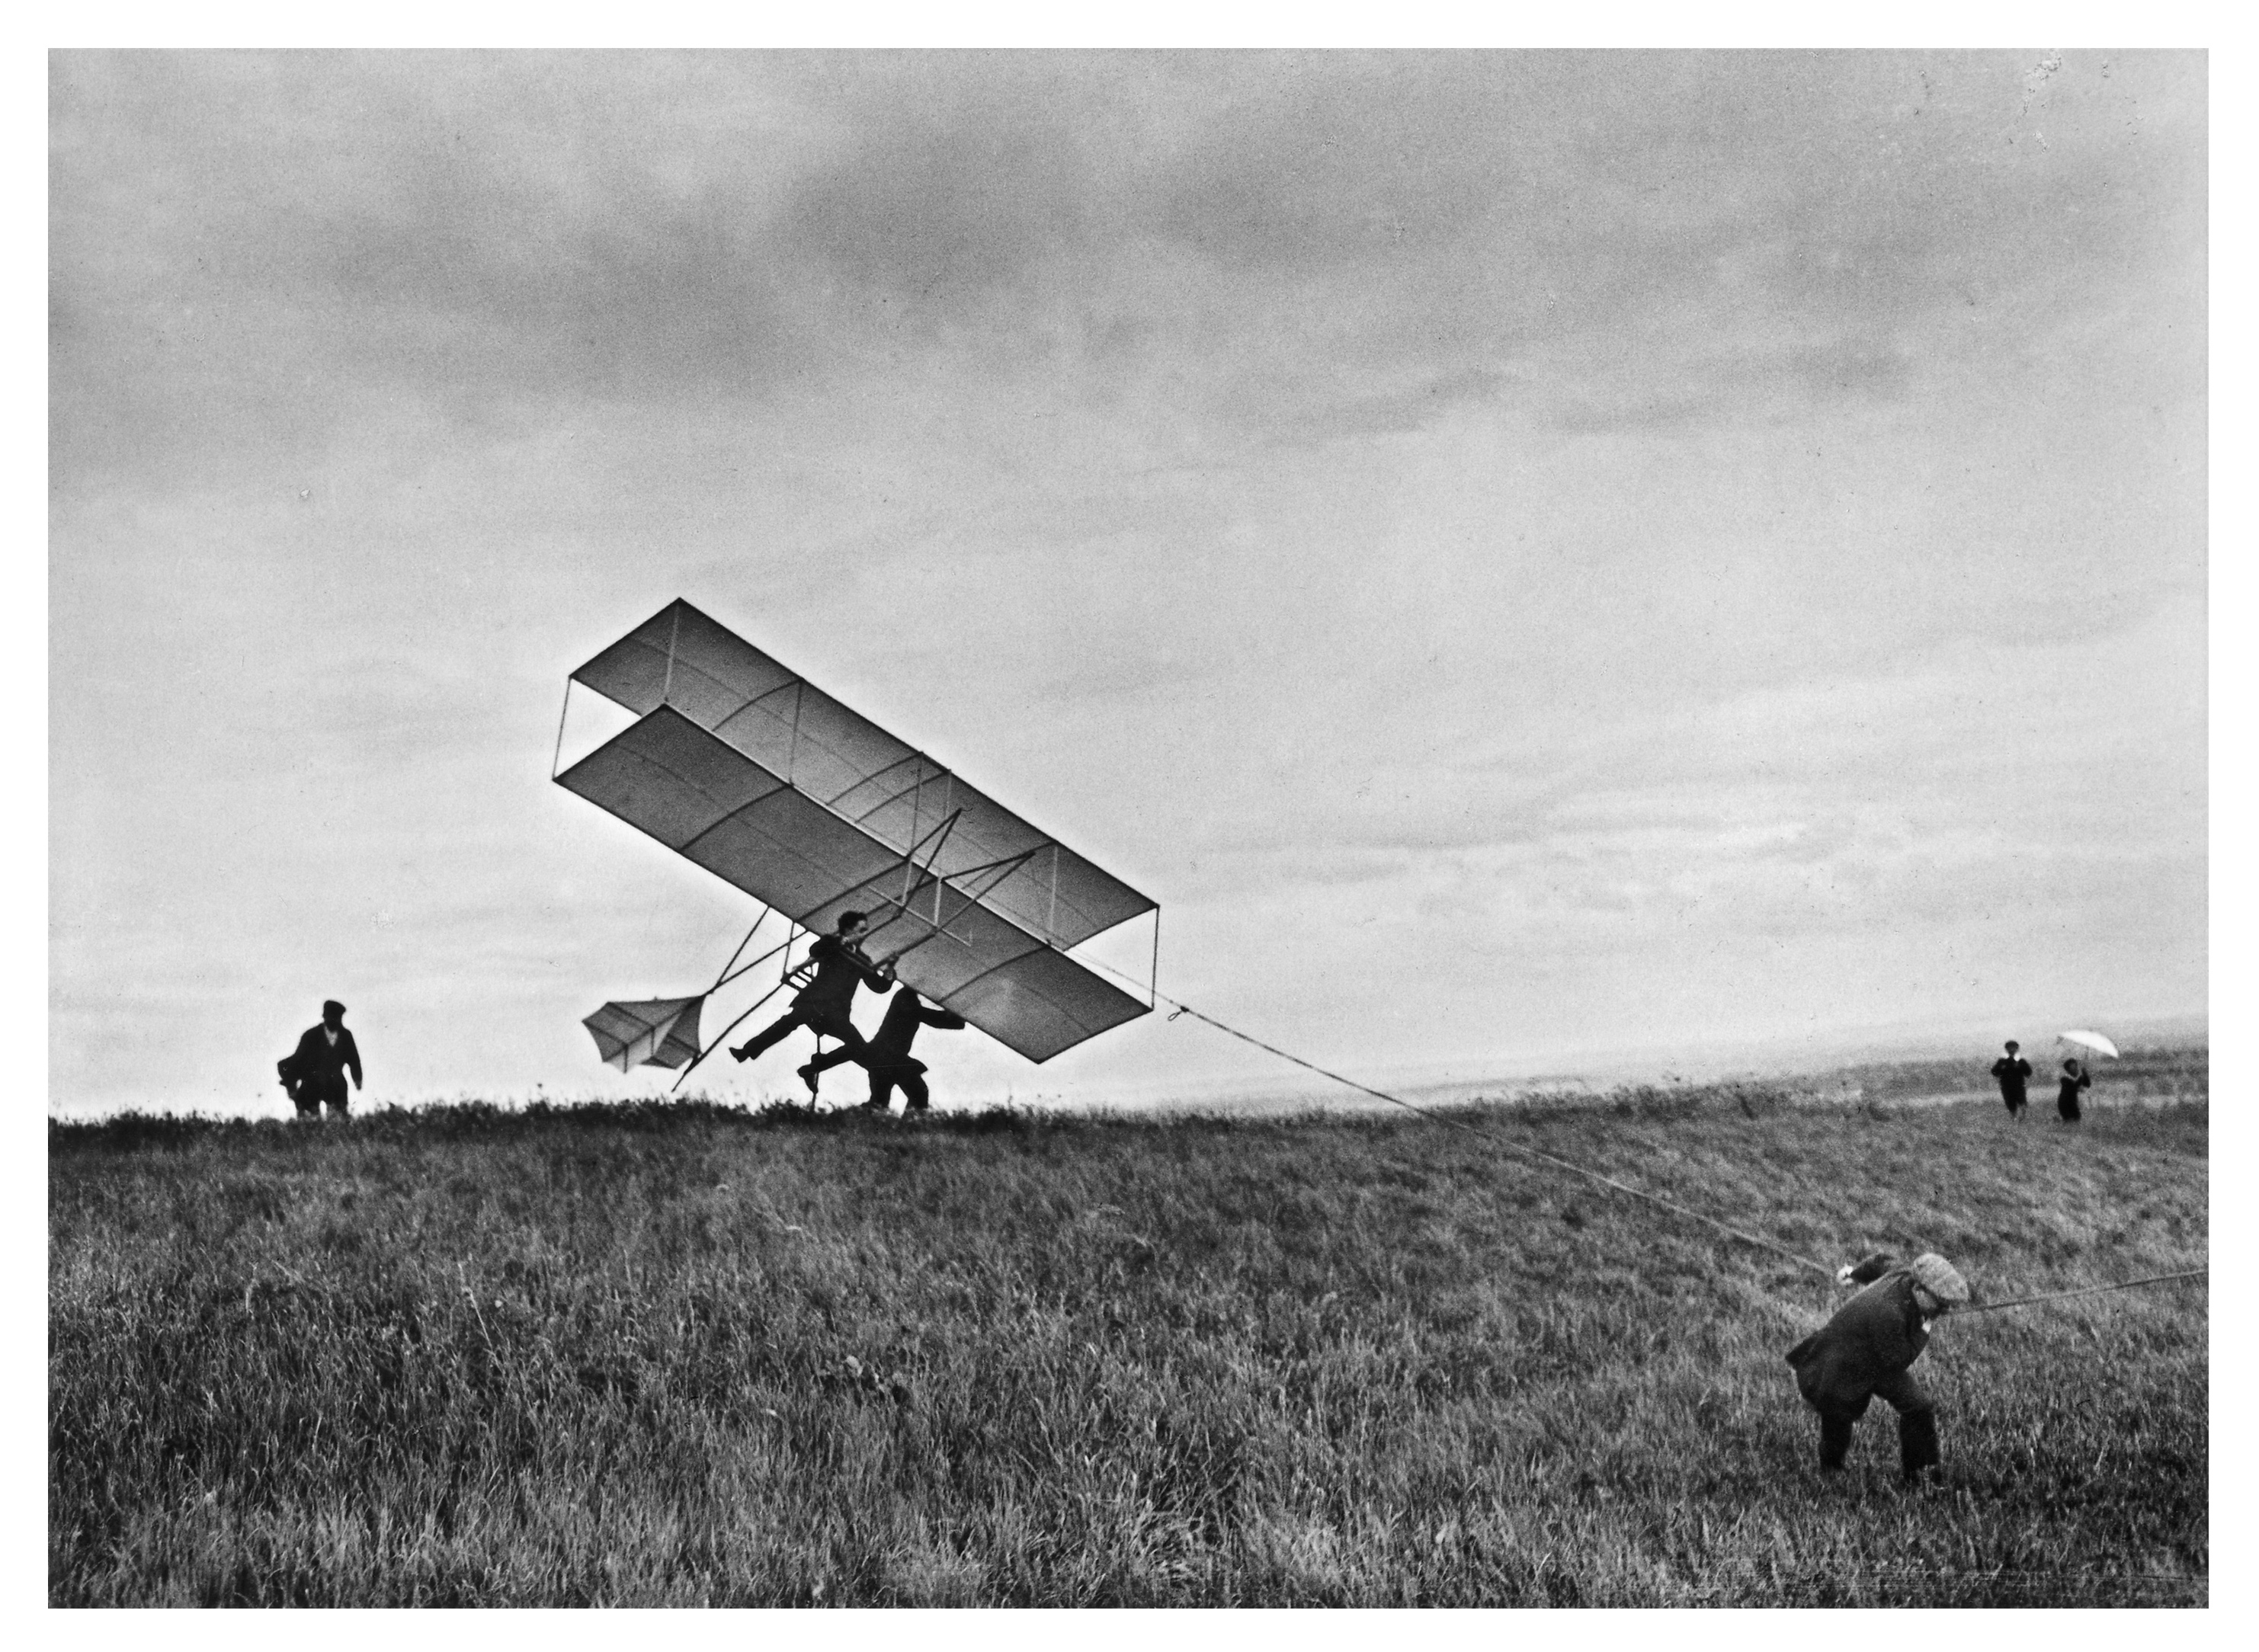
x,y
1521,554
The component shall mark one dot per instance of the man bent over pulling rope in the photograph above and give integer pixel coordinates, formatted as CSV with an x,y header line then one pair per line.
x,y
1867,1349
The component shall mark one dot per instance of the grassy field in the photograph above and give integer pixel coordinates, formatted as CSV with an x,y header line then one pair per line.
x,y
651,1355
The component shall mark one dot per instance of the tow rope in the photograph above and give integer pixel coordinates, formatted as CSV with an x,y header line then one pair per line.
x,y
1497,1139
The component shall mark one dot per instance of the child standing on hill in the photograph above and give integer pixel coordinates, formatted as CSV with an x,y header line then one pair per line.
x,y
1867,1349
2075,1079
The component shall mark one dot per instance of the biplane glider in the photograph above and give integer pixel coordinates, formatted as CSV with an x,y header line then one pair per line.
x,y
747,769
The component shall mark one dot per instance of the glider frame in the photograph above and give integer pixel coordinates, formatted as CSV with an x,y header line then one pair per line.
x,y
853,760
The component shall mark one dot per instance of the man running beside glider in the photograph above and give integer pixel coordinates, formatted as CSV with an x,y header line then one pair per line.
x,y
888,1057
1868,1348
822,1005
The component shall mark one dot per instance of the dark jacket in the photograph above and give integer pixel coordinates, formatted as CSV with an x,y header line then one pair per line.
x,y
890,1045
316,1057
840,965
2011,1075
1873,1338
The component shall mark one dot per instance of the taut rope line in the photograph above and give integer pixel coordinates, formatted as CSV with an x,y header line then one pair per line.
x,y
2091,1289
1494,1137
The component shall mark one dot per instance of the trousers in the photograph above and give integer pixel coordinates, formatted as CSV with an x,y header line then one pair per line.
x,y
1917,1426
828,1026
910,1077
309,1094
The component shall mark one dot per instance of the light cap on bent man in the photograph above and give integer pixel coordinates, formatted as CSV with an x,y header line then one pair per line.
x,y
1940,1278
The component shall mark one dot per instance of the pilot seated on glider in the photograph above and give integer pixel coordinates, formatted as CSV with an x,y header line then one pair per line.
x,y
888,1057
822,1005
1868,1348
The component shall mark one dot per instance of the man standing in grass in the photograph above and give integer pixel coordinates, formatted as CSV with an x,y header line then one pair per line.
x,y
1868,1348
888,1054
2014,1072
822,1005
315,1071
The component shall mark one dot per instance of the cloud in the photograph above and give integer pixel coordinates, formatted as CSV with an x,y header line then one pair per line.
x,y
531,224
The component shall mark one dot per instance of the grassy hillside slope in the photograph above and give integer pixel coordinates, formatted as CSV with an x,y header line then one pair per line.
x,y
651,1355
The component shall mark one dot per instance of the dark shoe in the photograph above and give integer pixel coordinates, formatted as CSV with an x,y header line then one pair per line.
x,y
808,1075
741,1052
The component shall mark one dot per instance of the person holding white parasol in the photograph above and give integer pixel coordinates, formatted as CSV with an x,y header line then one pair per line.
x,y
2075,1075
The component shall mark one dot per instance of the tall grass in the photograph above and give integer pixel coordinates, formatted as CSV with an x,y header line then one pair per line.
x,y
647,1355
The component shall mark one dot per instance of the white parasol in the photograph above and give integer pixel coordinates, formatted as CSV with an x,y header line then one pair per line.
x,y
2093,1041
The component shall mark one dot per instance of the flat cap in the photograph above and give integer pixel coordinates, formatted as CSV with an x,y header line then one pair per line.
x,y
1940,1278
